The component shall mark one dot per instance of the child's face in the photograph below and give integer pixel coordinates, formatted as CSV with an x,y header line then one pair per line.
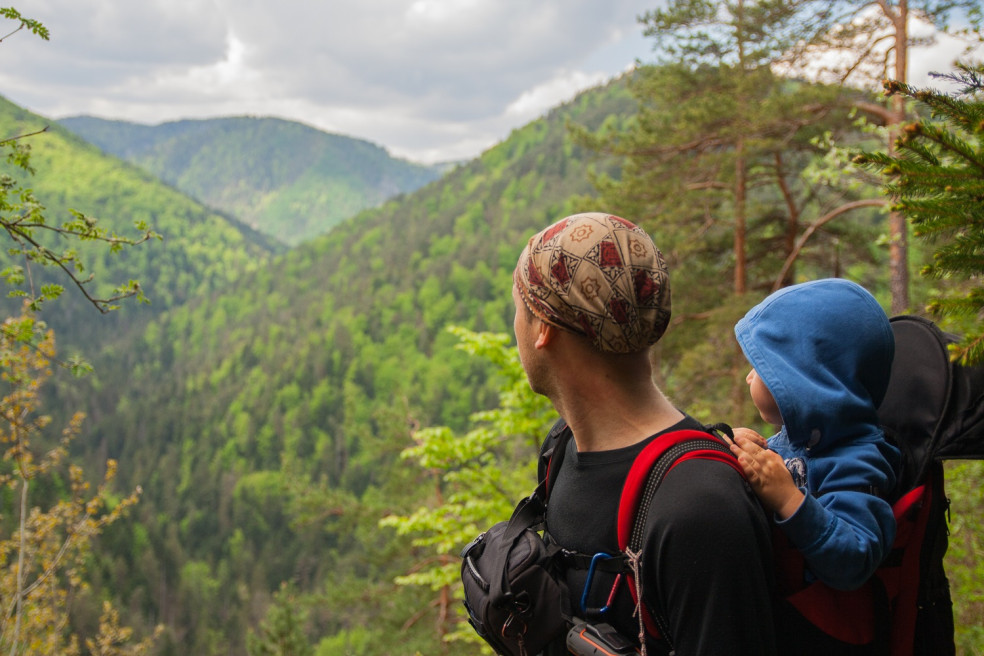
x,y
762,398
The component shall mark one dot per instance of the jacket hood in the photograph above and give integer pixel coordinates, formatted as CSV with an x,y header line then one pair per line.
x,y
824,349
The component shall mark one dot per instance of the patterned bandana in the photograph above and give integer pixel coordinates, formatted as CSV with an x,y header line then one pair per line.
x,y
599,276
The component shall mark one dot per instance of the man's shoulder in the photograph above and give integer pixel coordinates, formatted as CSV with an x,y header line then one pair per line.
x,y
686,423
704,475
706,490
706,501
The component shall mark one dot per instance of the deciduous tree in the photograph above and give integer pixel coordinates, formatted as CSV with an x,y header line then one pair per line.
x,y
34,238
478,477
44,548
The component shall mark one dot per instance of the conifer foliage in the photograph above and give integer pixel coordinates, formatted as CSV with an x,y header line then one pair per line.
x,y
937,177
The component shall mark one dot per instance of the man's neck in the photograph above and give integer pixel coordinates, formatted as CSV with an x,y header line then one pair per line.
x,y
612,422
608,400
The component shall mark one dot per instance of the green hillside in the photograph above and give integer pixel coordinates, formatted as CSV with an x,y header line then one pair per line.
x,y
200,250
285,179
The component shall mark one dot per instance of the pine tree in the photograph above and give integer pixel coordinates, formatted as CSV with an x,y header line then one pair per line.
x,y
937,177
713,167
282,632
859,42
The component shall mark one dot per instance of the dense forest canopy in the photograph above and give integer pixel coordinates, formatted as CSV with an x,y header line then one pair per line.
x,y
199,249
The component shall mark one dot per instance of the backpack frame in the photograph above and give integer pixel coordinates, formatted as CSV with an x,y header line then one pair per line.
x,y
933,410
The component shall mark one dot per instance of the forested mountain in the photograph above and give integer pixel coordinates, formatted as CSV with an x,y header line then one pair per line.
x,y
199,252
285,179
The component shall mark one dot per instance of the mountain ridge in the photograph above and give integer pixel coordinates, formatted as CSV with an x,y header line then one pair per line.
x,y
284,178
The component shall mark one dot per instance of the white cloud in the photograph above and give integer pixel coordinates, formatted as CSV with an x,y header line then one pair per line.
x,y
441,12
229,75
429,79
939,58
534,102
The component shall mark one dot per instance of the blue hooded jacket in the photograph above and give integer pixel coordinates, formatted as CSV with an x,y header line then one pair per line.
x,y
824,349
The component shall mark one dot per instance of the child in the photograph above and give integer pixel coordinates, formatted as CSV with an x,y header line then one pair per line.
x,y
821,354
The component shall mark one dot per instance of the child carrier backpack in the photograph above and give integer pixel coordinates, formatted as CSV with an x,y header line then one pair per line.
x,y
514,581
933,410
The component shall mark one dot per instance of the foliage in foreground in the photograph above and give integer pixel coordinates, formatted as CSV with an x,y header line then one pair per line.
x,y
937,181
47,538
965,557
478,476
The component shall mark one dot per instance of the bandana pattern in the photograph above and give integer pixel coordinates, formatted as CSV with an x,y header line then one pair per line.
x,y
599,276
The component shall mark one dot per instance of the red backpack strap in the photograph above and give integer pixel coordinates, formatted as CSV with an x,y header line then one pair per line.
x,y
647,472
695,444
920,518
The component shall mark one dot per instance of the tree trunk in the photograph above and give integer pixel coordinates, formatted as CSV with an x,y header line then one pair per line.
x,y
898,253
19,592
792,222
741,183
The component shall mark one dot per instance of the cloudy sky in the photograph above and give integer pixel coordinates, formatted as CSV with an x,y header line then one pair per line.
x,y
429,80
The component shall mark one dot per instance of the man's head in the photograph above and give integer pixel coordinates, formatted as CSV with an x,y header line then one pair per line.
x,y
598,276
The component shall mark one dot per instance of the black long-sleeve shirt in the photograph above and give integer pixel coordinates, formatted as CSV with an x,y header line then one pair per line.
x,y
707,559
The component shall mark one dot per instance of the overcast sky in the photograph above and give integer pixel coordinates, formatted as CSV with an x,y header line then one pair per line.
x,y
429,80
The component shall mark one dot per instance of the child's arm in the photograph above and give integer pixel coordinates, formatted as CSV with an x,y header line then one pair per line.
x,y
766,473
845,531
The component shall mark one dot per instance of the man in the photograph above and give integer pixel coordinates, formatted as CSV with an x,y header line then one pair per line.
x,y
592,297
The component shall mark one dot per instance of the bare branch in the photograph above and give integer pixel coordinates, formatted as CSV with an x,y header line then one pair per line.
x,y
711,184
22,136
816,225
10,34
884,114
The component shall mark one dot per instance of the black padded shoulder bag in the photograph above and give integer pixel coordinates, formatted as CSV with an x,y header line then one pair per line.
x,y
514,589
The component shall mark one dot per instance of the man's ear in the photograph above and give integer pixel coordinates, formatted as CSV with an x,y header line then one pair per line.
x,y
545,334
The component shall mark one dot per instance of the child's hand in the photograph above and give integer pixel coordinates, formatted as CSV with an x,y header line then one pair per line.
x,y
767,473
752,436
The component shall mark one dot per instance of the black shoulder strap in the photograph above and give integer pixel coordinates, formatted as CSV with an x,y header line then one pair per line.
x,y
551,456
528,514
